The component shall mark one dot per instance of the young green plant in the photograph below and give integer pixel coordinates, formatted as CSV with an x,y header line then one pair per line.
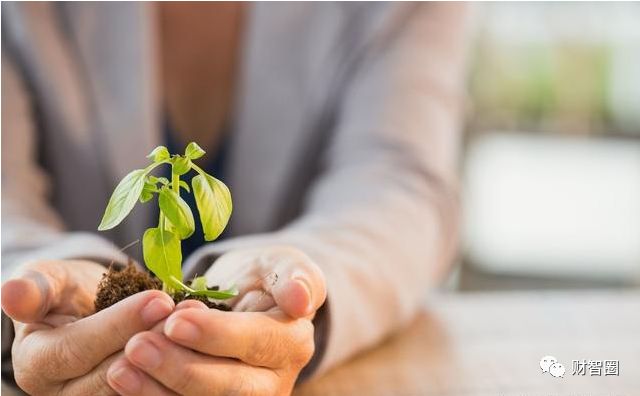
x,y
161,245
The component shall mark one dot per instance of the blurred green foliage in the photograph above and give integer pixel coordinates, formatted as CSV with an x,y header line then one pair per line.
x,y
551,87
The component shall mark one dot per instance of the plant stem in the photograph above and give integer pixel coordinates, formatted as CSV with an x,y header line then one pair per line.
x,y
197,169
215,294
175,183
154,165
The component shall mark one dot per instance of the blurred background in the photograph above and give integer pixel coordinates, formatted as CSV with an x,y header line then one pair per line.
x,y
551,165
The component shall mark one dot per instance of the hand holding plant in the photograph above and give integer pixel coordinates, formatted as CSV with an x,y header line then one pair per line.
x,y
258,349
59,346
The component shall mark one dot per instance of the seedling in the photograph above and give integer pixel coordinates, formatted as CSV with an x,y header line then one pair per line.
x,y
161,245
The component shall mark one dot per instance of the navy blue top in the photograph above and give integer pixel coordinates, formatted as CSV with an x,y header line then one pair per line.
x,y
213,164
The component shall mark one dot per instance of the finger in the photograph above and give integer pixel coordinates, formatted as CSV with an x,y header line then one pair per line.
x,y
29,298
300,288
159,327
191,304
255,301
190,373
246,270
259,339
94,382
128,380
73,350
237,270
62,286
57,320
290,276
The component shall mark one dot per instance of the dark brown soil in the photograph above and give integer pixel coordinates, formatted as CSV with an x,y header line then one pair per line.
x,y
119,283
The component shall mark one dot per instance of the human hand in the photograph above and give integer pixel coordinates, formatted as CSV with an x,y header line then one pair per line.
x,y
57,348
203,351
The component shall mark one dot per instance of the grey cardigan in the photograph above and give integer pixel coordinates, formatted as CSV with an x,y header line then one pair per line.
x,y
344,144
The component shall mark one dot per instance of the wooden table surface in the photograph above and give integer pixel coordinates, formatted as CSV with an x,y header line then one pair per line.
x,y
491,344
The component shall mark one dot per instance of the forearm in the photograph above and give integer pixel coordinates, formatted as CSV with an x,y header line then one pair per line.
x,y
379,259
32,227
379,263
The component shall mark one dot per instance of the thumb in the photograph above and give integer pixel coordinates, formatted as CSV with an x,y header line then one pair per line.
x,y
300,287
62,286
29,298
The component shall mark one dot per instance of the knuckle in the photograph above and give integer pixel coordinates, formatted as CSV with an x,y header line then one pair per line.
x,y
64,356
26,380
35,265
100,384
262,348
306,329
55,269
32,383
24,370
183,381
304,341
119,334
306,353
44,363
241,386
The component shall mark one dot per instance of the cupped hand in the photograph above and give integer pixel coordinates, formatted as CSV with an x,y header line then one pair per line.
x,y
57,348
279,277
259,349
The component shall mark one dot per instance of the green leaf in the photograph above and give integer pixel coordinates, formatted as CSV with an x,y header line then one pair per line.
x,y
168,226
217,294
193,151
181,165
184,185
199,283
213,200
123,199
162,254
158,154
149,188
155,180
177,212
146,196
150,185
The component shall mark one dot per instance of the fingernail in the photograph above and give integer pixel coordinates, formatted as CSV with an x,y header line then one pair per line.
x,y
155,310
144,354
307,288
181,330
126,379
191,304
